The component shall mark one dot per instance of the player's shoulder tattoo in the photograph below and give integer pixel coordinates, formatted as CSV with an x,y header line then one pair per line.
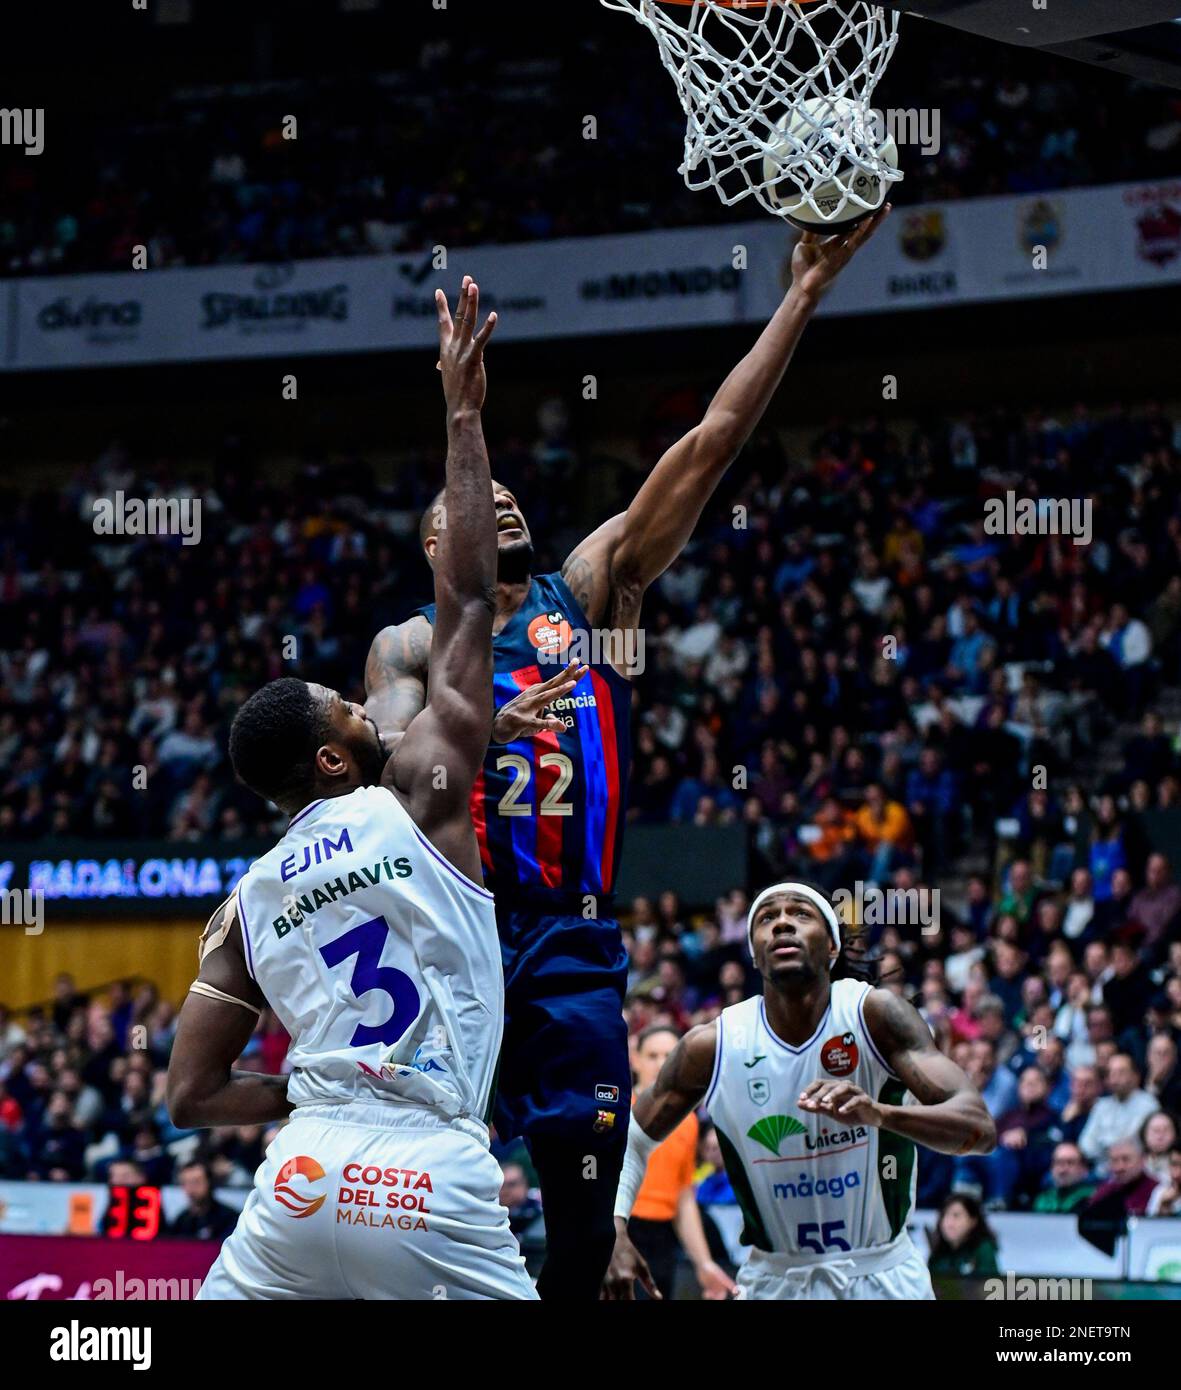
x,y
579,574
902,1037
896,1026
397,651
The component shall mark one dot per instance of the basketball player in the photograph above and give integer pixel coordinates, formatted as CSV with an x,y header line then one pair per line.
x,y
807,1086
549,803
368,933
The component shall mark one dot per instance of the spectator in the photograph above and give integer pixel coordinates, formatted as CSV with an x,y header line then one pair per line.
x,y
932,802
1157,906
1158,1136
1118,1115
1163,1074
1080,906
962,1243
996,1084
1086,1087
1026,1137
1165,1199
204,1218
59,1144
885,830
1128,1188
1071,1186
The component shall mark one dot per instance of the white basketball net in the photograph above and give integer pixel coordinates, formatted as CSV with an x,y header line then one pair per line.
x,y
740,73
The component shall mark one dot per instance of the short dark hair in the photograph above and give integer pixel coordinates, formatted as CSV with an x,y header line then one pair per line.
x,y
274,737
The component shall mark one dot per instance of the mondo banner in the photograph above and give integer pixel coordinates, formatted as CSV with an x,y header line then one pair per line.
x,y
1118,237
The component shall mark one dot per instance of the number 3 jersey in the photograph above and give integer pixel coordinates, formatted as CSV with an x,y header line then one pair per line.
x,y
379,957
808,1185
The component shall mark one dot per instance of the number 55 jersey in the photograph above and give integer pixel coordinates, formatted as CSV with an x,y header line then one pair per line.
x,y
380,959
813,1188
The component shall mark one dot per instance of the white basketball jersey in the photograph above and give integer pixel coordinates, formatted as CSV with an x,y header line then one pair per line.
x,y
808,1185
379,957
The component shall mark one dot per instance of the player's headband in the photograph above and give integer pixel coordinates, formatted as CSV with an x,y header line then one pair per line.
x,y
826,909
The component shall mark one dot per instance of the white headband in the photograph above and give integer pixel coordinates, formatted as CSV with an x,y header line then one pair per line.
x,y
826,909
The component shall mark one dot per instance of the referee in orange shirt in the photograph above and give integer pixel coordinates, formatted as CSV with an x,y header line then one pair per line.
x,y
666,1212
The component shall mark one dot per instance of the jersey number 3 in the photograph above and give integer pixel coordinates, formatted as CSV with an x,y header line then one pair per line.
x,y
366,942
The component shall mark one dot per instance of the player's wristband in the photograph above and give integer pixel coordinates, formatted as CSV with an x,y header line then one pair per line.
x,y
635,1161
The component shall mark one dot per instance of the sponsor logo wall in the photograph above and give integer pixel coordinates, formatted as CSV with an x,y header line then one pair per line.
x,y
58,1268
1123,236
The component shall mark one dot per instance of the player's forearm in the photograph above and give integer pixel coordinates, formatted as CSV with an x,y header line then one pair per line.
x,y
244,1098
742,399
959,1125
465,562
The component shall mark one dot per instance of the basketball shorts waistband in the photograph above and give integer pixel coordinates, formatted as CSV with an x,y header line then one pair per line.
x,y
375,1116
873,1259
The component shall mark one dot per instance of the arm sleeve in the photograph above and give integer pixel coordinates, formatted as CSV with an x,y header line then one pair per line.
x,y
635,1161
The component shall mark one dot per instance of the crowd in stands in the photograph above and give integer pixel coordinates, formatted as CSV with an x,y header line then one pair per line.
x,y
219,175
847,661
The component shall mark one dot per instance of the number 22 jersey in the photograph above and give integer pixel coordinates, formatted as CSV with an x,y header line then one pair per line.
x,y
548,810
379,957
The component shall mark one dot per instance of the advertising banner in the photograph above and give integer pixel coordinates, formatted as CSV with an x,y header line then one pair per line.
x,y
1118,237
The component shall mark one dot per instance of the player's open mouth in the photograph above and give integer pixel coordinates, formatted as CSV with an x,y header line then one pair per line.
x,y
508,523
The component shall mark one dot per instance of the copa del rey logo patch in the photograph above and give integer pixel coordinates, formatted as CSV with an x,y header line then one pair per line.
x,y
839,1056
550,632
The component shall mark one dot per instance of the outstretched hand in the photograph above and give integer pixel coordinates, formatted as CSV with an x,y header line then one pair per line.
x,y
461,348
818,260
524,716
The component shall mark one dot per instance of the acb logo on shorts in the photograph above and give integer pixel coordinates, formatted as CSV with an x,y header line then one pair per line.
x,y
298,1202
839,1056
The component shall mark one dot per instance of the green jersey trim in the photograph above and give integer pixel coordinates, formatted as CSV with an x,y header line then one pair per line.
x,y
900,1153
753,1231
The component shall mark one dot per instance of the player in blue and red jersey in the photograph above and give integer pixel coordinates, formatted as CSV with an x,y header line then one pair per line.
x,y
549,806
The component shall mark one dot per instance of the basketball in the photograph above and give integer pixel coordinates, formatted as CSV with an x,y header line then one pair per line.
x,y
835,210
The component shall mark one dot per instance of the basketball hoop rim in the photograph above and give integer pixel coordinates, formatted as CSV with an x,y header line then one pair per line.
x,y
738,4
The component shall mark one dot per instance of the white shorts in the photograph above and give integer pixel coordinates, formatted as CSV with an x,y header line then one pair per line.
x,y
353,1202
897,1271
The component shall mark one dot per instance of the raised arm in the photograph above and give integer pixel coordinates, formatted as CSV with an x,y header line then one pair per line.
x,y
611,569
678,1091
215,1024
438,757
950,1117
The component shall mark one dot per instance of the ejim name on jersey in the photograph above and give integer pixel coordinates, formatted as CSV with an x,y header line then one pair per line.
x,y
380,959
